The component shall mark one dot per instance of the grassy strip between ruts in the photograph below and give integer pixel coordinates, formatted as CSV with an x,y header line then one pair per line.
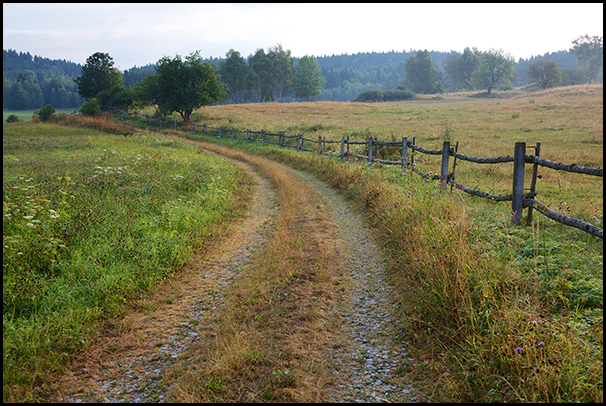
x,y
91,222
497,312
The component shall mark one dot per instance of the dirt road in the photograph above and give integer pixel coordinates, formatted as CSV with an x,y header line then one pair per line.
x,y
357,356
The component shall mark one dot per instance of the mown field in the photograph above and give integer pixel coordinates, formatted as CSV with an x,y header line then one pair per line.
x,y
92,222
496,312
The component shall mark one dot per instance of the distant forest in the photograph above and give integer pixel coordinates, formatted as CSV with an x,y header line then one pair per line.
x,y
31,82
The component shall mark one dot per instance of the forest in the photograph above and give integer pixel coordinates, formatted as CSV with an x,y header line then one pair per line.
x,y
31,82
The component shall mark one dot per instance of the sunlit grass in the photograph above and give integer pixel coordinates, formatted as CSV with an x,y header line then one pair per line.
x,y
90,221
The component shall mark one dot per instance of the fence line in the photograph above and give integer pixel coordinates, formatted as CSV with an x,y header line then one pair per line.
x,y
519,199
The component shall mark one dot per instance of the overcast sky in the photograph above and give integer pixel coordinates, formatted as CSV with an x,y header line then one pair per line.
x,y
141,33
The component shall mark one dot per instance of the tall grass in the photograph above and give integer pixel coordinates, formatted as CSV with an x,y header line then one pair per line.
x,y
496,312
91,221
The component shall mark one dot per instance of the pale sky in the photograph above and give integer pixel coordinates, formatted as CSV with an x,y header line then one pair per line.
x,y
137,34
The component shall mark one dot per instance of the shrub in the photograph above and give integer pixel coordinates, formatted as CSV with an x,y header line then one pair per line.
x,y
45,112
12,119
370,96
91,108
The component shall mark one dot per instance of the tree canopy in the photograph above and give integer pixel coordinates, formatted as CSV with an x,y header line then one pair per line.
x,y
308,78
545,73
495,69
421,75
590,53
183,85
98,74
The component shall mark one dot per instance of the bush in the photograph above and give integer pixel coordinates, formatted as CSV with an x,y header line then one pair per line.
x,y
45,112
388,95
91,108
12,119
370,96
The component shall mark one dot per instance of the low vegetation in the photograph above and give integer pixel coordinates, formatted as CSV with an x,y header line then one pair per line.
x,y
91,222
493,312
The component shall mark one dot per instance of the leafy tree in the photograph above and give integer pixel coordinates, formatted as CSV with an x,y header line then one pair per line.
x,y
572,77
459,67
18,98
91,108
183,85
308,78
421,75
98,74
45,112
545,73
283,70
233,72
590,53
495,69
118,96
261,78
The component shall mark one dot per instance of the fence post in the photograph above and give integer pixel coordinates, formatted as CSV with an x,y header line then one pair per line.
x,y
319,144
342,149
369,152
160,122
454,165
518,182
192,127
175,124
262,136
348,144
404,152
247,135
280,140
533,182
233,133
146,120
219,132
444,171
412,154
298,142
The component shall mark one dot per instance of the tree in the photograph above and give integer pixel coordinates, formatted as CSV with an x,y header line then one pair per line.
x,y
545,73
495,69
261,77
420,74
98,74
459,67
308,78
283,70
590,53
183,85
91,108
233,72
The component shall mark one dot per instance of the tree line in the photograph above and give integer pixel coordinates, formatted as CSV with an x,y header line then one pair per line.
x,y
273,75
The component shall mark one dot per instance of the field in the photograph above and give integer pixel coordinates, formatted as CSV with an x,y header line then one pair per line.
x,y
25,115
91,222
496,312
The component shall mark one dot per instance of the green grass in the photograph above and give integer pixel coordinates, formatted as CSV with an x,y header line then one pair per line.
x,y
25,115
91,221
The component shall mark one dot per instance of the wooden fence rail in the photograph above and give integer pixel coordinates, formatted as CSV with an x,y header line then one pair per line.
x,y
519,199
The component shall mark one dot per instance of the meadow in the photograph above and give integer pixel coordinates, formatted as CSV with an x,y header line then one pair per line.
x,y
493,312
92,222
496,312
25,115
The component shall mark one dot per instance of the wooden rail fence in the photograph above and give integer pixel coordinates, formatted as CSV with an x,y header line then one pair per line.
x,y
519,199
